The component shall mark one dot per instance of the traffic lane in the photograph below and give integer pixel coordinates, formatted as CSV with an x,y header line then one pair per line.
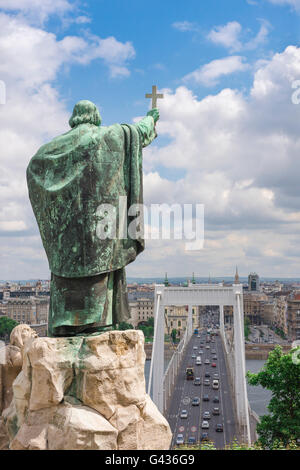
x,y
188,427
195,417
179,399
227,400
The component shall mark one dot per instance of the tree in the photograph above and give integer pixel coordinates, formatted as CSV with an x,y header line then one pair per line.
x,y
174,335
246,327
6,326
281,375
124,326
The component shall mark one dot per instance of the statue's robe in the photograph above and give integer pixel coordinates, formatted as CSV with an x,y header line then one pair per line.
x,y
68,179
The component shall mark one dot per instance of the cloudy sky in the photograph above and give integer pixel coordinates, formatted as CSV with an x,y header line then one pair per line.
x,y
229,133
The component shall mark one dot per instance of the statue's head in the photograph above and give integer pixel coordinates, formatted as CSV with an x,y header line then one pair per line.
x,y
85,112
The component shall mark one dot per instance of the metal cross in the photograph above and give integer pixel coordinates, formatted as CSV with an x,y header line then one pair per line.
x,y
154,95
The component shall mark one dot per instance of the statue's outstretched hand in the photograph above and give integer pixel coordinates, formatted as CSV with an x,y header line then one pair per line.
x,y
154,113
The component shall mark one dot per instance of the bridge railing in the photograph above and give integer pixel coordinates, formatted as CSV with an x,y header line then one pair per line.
x,y
171,373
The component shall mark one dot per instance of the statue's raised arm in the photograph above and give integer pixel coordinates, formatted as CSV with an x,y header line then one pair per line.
x,y
146,126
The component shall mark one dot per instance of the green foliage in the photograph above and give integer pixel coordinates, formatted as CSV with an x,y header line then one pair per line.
x,y
281,375
235,445
280,332
174,335
148,329
246,327
6,326
124,326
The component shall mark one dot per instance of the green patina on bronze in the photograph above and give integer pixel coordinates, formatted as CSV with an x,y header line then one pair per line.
x,y
68,179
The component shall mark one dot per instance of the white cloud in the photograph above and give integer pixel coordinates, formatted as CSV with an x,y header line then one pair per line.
x,y
34,56
261,36
184,26
239,155
37,8
227,36
293,3
210,74
31,59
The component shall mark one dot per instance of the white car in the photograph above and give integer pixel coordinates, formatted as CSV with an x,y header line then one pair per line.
x,y
179,439
206,361
205,425
206,415
184,414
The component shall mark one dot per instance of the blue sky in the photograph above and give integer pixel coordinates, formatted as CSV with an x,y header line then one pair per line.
x,y
164,52
228,136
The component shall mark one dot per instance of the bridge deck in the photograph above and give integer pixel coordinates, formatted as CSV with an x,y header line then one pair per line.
x,y
185,391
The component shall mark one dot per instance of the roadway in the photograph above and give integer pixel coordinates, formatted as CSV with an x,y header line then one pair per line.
x,y
185,390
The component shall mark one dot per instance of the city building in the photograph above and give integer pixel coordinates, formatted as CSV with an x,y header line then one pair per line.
x,y
254,307
281,314
29,310
176,318
141,309
253,282
293,316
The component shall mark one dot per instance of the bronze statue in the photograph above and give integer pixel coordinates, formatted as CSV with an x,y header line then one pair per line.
x,y
71,182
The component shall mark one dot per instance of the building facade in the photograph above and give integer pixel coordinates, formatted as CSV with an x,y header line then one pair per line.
x,y
29,310
253,282
293,316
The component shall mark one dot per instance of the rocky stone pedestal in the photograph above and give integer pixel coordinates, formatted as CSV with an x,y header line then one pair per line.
x,y
84,393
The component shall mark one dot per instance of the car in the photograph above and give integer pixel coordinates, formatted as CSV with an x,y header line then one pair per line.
x,y
215,384
206,382
207,374
205,424
184,414
195,347
179,439
216,399
206,415
198,336
216,411
205,397
207,347
207,361
191,440
213,364
213,351
214,358
197,381
219,427
216,375
200,351
193,356
204,436
196,401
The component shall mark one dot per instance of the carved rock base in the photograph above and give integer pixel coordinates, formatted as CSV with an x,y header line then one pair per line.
x,y
85,393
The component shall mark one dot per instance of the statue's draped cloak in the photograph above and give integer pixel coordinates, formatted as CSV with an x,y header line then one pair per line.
x,y
69,178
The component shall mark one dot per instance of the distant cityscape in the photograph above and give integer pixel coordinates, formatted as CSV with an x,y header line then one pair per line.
x,y
272,303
